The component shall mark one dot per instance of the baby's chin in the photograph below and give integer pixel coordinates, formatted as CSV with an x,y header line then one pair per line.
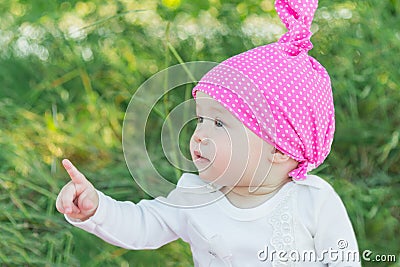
x,y
206,178
218,180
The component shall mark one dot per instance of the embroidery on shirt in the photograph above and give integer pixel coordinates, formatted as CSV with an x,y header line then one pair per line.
x,y
283,234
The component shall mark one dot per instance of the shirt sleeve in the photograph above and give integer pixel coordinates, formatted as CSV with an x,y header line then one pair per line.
x,y
146,225
334,238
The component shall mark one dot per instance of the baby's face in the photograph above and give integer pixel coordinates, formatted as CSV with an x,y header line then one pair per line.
x,y
224,150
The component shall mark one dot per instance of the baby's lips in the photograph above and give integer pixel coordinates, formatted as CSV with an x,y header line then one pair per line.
x,y
199,157
197,154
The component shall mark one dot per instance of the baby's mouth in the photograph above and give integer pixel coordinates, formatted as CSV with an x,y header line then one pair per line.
x,y
199,158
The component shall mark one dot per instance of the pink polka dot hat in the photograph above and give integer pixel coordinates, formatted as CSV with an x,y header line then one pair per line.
x,y
279,92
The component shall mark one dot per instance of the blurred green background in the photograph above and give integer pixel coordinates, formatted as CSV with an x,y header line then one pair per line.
x,y
67,73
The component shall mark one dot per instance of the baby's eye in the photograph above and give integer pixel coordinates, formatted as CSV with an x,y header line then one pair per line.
x,y
200,119
218,123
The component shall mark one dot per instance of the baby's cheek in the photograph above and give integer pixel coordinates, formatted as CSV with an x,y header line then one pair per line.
x,y
223,152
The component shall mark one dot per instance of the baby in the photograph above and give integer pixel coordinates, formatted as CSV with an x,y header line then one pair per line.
x,y
264,119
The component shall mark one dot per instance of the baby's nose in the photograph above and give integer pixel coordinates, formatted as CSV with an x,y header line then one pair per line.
x,y
199,137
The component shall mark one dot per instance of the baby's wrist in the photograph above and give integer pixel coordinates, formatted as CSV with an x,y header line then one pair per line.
x,y
80,217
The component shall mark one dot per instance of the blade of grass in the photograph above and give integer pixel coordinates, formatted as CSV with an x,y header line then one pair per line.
x,y
17,202
180,60
165,101
14,232
28,184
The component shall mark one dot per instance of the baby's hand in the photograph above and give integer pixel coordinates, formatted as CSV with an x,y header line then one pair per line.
x,y
78,199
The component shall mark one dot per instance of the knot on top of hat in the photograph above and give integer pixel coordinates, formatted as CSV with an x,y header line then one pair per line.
x,y
297,15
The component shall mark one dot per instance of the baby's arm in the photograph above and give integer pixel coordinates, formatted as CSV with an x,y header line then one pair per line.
x,y
125,224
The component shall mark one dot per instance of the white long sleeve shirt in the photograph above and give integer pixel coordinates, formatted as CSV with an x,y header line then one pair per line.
x,y
304,224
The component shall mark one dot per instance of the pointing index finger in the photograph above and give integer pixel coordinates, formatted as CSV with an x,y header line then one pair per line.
x,y
76,176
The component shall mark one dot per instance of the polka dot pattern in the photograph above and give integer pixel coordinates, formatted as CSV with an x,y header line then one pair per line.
x,y
297,16
279,92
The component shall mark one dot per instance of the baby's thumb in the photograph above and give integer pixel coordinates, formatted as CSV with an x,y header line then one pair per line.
x,y
88,203
76,176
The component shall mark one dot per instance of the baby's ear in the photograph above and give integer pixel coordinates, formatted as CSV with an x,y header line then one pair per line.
x,y
279,157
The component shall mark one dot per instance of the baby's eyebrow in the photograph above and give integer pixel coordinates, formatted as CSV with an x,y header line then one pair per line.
x,y
212,108
218,109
